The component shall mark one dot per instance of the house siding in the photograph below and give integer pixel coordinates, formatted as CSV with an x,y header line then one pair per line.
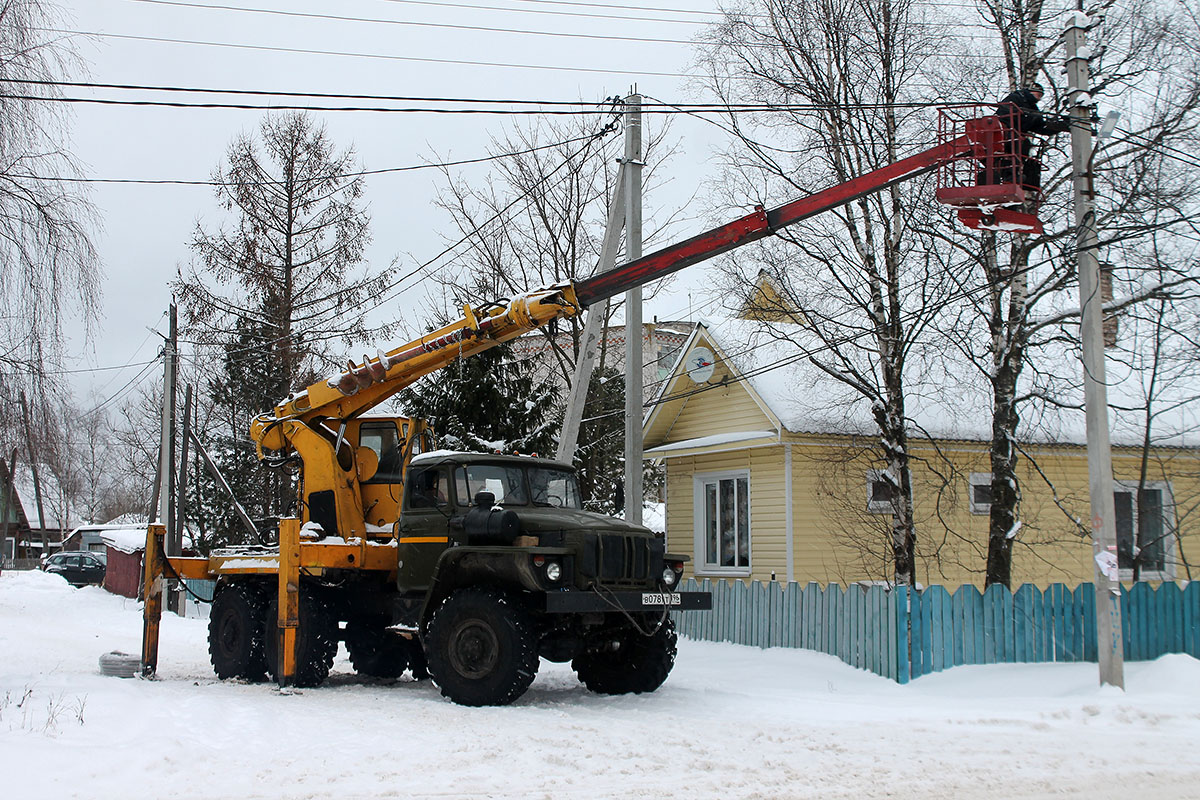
x,y
835,539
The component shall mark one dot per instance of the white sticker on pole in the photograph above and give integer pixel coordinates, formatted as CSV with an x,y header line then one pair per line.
x,y
1108,566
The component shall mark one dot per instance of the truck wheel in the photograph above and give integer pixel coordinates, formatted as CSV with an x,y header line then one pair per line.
x,y
481,648
316,641
235,633
376,651
628,662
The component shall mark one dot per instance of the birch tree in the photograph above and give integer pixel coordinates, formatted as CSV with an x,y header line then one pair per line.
x,y
1028,307
48,265
855,285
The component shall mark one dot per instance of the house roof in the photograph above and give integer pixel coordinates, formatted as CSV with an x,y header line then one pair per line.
x,y
945,402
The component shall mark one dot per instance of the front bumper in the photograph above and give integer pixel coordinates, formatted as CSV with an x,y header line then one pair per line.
x,y
579,602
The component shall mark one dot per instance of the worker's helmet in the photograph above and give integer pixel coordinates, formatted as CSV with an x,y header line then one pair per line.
x,y
1037,87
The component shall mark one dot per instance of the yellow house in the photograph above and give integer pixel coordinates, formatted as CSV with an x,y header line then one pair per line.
x,y
771,474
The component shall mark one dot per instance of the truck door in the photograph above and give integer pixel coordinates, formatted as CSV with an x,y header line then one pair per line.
x,y
424,531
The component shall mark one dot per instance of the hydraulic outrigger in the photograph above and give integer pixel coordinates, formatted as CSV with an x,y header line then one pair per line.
x,y
320,422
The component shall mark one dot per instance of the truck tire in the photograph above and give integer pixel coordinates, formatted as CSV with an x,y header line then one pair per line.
x,y
481,648
235,633
629,662
376,651
316,641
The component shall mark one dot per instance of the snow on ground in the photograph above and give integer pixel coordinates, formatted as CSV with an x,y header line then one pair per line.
x,y
731,722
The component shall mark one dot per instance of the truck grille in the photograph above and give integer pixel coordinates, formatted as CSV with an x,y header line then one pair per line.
x,y
623,559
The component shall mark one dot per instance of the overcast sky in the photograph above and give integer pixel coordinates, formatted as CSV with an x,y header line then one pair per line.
x,y
146,228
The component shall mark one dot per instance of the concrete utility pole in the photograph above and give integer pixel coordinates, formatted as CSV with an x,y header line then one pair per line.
x,y
634,352
166,453
1109,638
593,329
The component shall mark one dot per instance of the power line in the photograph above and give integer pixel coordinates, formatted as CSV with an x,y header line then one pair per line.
x,y
359,173
415,24
380,56
612,6
549,13
584,106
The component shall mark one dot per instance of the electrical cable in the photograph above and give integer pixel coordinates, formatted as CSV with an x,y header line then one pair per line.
x,y
583,105
380,56
414,23
549,13
356,174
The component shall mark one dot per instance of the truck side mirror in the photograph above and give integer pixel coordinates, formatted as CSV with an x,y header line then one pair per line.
x,y
485,499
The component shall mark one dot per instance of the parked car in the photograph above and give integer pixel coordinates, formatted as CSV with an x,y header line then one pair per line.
x,y
78,568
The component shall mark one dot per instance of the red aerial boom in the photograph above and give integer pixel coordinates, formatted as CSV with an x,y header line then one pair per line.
x,y
977,159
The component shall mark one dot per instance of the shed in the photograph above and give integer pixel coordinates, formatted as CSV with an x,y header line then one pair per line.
x,y
124,547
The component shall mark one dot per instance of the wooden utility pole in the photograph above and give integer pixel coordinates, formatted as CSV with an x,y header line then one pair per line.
x,y
9,492
181,483
1109,637
37,482
634,352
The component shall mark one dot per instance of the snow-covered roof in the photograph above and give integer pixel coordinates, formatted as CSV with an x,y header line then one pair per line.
x,y
56,504
125,540
711,441
946,402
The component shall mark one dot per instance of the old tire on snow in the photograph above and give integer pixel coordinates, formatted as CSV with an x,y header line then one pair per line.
x,y
481,648
376,651
316,641
116,664
235,632
628,662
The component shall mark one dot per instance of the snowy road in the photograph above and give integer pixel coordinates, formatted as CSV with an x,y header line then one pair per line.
x,y
731,722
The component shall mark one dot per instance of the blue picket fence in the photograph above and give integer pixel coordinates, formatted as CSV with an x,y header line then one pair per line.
x,y
901,634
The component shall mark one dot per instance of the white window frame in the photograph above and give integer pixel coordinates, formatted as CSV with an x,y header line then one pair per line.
x,y
700,543
978,479
1167,573
877,506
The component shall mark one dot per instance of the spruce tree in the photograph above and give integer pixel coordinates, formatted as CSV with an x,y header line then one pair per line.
x,y
489,402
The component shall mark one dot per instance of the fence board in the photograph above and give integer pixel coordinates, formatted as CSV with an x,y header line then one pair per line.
x,y
1086,593
1191,619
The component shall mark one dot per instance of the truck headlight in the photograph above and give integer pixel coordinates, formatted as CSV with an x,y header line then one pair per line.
x,y
553,571
669,576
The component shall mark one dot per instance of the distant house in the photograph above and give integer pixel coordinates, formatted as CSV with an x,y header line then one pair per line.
x,y
14,524
27,539
772,473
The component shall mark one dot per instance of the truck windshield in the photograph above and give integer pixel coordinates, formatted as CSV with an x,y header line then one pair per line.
x,y
505,481
554,487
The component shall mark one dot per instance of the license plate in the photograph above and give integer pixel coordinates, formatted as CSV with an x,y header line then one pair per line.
x,y
660,599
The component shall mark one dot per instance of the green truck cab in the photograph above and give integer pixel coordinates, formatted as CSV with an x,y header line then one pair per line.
x,y
499,566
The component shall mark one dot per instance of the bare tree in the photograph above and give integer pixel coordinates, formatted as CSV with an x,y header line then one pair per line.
x,y
280,281
1012,331
47,262
857,286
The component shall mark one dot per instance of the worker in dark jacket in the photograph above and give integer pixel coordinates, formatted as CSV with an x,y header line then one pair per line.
x,y
1019,114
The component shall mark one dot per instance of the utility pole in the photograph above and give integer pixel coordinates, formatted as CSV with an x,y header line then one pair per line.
x,y
634,352
1109,637
166,453
33,466
8,510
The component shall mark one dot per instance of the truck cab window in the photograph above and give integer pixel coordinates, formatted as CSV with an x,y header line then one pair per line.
x,y
384,439
427,488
